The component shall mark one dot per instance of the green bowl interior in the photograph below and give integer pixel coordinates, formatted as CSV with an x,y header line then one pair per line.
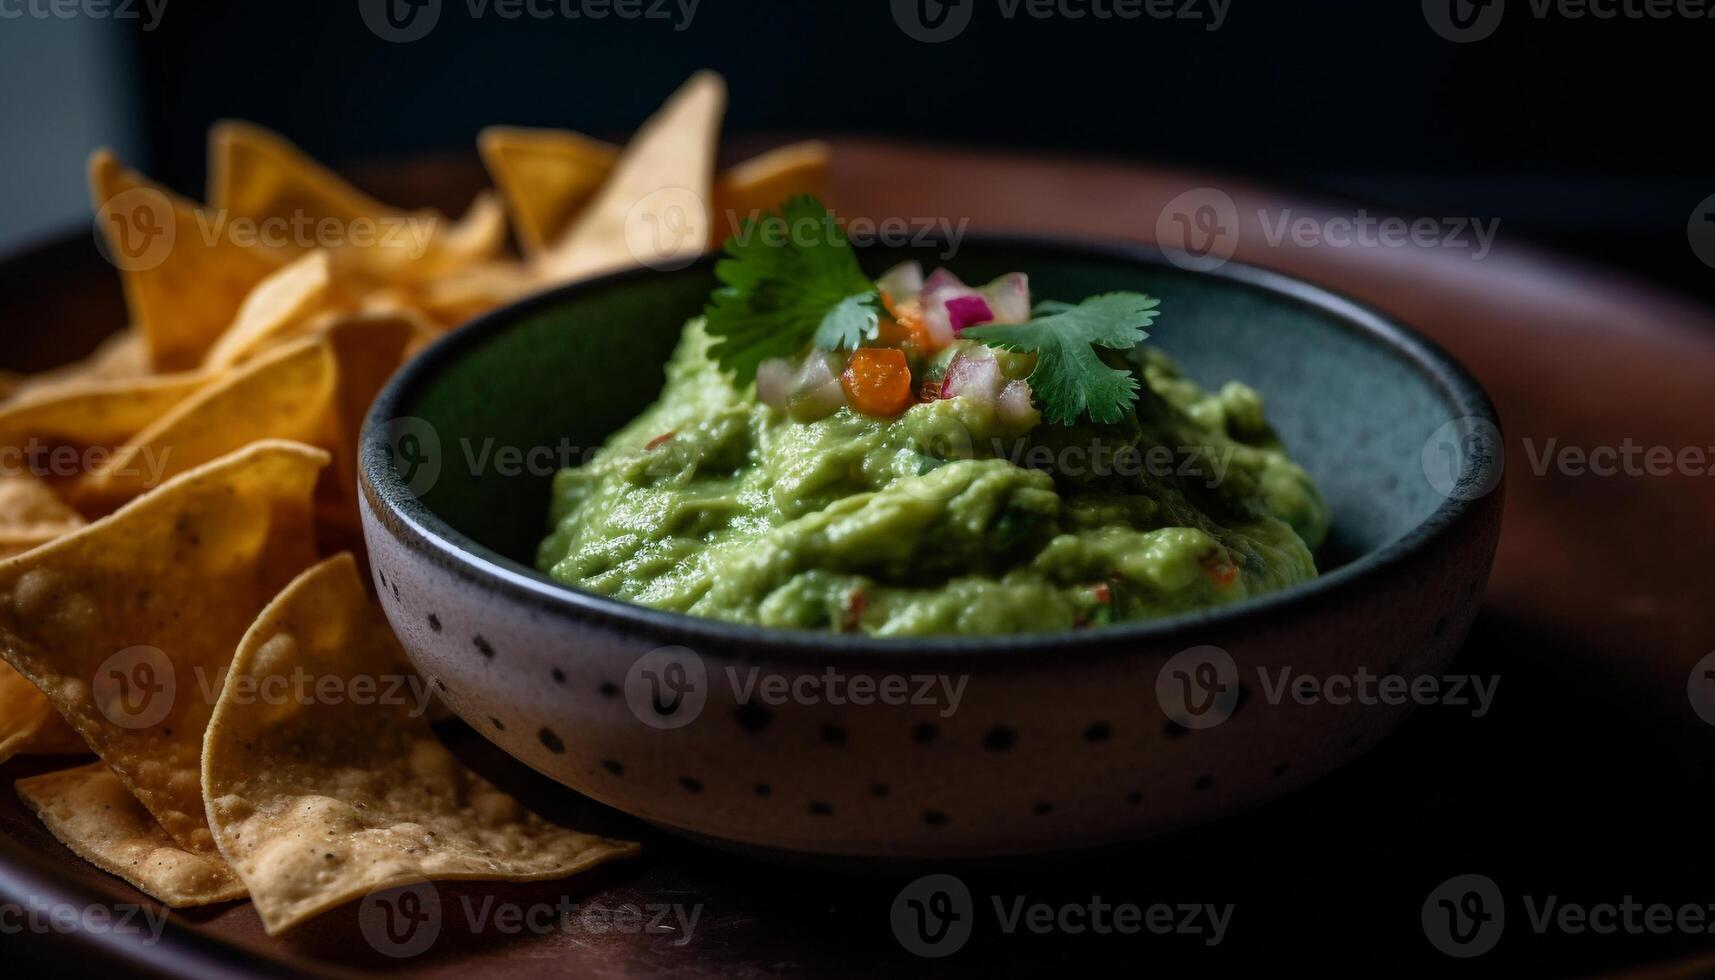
x,y
542,388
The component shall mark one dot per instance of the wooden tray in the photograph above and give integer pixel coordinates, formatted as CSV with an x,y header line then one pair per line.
x,y
1589,780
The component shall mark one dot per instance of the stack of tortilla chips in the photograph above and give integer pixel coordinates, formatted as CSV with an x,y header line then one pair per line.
x,y
183,527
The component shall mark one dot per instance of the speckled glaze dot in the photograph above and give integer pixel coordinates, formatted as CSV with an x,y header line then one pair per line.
x,y
820,809
613,766
1099,731
999,738
925,733
434,622
833,735
934,818
691,784
482,646
551,742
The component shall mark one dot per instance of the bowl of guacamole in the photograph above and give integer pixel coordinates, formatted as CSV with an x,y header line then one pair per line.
x,y
889,553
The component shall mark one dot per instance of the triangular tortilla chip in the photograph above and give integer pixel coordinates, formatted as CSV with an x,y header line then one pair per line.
x,y
654,209
258,174
93,814
31,514
286,393
547,175
760,184
470,292
29,725
127,625
366,348
277,304
316,804
78,415
184,278
122,355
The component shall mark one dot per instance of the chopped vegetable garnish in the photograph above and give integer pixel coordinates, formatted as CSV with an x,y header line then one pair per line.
x,y
877,381
791,279
1070,378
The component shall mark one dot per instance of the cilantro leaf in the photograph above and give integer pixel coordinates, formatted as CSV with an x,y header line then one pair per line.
x,y
790,279
1070,378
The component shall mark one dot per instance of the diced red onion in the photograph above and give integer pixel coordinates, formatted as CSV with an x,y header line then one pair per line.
x,y
902,282
1008,298
940,280
975,375
774,382
816,390
967,311
937,322
1014,408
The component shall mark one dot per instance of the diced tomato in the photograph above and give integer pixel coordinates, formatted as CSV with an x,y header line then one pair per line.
x,y
877,381
659,440
904,327
1103,593
1222,573
856,603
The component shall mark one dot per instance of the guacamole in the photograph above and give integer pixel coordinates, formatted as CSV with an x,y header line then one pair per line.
x,y
946,507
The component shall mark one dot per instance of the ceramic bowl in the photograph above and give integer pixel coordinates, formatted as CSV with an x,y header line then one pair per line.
x,y
844,747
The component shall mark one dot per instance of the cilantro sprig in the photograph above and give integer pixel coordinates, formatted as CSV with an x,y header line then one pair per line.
x,y
790,279
1070,378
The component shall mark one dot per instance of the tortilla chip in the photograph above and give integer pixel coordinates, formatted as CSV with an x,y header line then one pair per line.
x,y
547,175
366,349
471,292
93,814
92,413
654,209
284,394
317,804
29,725
759,184
182,288
122,355
31,514
258,174
277,305
127,624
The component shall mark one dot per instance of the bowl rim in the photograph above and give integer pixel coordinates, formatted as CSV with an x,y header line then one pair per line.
x,y
393,504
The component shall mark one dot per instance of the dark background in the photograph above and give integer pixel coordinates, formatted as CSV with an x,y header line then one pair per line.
x,y
1597,136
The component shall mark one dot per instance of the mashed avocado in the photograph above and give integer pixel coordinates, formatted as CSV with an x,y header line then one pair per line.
x,y
944,519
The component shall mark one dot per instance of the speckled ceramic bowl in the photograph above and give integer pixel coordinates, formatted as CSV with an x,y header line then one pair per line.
x,y
839,746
